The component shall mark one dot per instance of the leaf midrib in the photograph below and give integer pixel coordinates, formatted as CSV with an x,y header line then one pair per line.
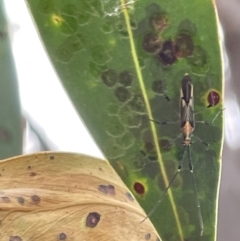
x,y
149,112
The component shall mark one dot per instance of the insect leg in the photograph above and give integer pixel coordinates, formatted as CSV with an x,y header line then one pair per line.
x,y
196,193
199,139
169,144
161,122
165,192
210,122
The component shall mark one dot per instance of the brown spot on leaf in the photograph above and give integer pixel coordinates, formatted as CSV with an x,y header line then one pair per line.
x,y
36,199
29,167
62,236
147,236
52,157
139,188
129,196
33,174
92,219
159,21
21,200
213,98
6,199
151,43
102,188
107,189
167,55
184,46
111,190
15,238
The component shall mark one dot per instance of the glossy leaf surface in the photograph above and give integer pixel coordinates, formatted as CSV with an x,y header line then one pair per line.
x,y
122,62
62,196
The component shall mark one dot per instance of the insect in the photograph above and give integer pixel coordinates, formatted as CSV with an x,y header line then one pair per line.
x,y
187,126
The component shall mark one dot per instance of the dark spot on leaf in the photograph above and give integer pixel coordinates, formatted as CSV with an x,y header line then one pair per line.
x,y
100,169
15,238
126,78
151,43
139,188
21,200
158,86
149,146
184,46
107,189
51,157
62,236
103,188
213,98
165,145
159,21
29,167
129,196
167,55
92,219
147,236
109,78
5,135
122,94
33,174
36,199
111,190
6,199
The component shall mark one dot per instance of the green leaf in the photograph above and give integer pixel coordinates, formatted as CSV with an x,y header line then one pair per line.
x,y
120,63
10,114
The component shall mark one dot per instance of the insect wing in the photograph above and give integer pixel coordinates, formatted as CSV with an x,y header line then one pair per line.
x,y
187,89
186,108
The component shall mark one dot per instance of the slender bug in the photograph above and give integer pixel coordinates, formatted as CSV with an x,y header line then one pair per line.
x,y
187,126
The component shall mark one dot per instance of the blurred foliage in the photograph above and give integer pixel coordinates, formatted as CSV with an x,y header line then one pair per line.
x,y
10,113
